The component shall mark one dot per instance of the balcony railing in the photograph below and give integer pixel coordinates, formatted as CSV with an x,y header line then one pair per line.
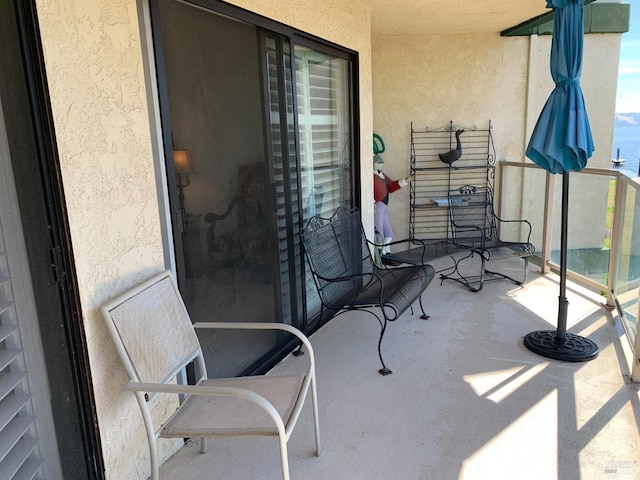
x,y
604,232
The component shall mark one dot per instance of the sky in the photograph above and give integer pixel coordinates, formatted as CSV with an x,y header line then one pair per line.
x,y
628,99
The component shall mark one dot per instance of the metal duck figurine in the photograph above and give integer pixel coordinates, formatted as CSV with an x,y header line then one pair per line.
x,y
453,155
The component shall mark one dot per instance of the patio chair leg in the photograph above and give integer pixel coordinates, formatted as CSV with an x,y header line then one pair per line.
x,y
203,445
424,316
284,459
384,370
514,280
461,279
316,419
155,469
151,438
482,272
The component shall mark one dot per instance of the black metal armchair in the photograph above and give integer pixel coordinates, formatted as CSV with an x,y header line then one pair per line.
x,y
476,228
347,278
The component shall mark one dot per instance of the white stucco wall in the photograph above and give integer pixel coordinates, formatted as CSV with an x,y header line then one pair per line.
x,y
96,83
471,79
94,64
431,80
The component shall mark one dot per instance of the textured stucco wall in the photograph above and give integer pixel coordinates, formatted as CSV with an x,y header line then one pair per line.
x,y
430,80
94,64
471,79
94,68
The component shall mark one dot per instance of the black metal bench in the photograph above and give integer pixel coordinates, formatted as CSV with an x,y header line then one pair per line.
x,y
347,278
476,228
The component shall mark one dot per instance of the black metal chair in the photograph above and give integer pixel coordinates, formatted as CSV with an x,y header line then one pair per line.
x,y
476,228
347,278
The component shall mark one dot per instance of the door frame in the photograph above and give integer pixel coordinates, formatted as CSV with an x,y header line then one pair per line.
x,y
295,37
39,185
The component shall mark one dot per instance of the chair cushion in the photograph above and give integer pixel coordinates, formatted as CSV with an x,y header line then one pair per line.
x,y
209,416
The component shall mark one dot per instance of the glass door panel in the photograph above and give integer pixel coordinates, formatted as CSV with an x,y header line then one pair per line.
x,y
227,265
323,97
260,128
282,151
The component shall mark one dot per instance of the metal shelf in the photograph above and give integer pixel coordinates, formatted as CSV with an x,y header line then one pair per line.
x,y
433,180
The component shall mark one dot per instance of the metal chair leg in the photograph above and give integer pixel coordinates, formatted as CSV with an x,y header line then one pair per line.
x,y
384,370
424,316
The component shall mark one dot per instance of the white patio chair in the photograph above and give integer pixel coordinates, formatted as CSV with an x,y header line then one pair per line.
x,y
155,339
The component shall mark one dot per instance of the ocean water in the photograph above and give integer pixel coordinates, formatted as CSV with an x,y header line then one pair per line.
x,y
627,139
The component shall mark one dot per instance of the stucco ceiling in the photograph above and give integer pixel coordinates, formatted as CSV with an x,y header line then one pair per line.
x,y
439,17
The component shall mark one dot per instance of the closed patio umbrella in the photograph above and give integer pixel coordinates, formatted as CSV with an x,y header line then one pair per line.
x,y
561,142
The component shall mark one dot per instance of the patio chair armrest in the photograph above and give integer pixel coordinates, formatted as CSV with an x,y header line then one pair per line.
x,y
212,391
527,222
350,278
415,241
420,248
261,326
464,227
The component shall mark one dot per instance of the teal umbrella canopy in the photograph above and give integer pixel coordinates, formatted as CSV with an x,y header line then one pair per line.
x,y
561,140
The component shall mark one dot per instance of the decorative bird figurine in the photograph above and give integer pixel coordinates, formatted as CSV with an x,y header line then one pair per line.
x,y
453,155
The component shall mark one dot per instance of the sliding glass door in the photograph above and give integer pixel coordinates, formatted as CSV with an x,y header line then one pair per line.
x,y
259,130
324,125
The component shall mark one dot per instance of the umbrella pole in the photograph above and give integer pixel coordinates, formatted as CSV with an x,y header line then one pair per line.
x,y
559,344
563,303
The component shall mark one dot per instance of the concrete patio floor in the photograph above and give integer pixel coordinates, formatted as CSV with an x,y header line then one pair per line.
x,y
466,399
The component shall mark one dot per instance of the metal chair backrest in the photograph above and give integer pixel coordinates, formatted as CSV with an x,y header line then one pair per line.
x,y
336,247
473,223
150,324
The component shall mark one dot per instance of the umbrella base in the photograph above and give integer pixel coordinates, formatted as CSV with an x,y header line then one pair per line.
x,y
573,348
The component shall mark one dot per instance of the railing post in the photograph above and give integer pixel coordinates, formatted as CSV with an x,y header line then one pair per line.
x,y
635,367
616,239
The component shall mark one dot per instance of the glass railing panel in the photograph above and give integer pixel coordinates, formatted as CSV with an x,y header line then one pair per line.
x,y
522,197
592,237
589,227
627,284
